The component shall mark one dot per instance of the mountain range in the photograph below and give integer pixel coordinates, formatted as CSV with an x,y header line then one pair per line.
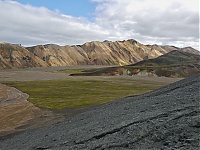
x,y
91,53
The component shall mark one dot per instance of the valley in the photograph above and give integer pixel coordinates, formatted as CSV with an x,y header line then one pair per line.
x,y
54,95
167,116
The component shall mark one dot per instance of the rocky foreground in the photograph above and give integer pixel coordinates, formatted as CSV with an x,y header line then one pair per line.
x,y
167,118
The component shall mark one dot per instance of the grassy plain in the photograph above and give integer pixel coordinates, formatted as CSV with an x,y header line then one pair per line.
x,y
80,92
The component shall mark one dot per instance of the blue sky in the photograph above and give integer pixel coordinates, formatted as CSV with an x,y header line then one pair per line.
x,y
72,22
83,8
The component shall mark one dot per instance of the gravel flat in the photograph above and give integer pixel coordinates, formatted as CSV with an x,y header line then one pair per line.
x,y
167,118
35,74
52,73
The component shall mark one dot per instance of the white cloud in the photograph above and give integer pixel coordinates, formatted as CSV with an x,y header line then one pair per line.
x,y
174,22
153,20
31,25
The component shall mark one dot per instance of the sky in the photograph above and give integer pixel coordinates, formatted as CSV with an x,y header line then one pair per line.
x,y
76,8
74,22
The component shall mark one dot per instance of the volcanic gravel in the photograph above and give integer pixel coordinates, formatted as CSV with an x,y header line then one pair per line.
x,y
167,118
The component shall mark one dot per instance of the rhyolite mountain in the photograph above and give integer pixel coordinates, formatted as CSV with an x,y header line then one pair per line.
x,y
91,53
16,56
95,53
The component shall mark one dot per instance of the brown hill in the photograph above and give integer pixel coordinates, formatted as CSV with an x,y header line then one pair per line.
x,y
169,48
190,50
92,53
16,56
55,55
119,52
95,53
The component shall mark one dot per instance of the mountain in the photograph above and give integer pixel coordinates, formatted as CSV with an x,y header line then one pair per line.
x,y
118,52
55,55
91,53
190,50
173,64
167,118
172,58
16,56
95,53
185,49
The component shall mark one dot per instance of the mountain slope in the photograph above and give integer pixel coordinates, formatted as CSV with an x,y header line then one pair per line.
x,y
96,53
167,118
190,50
172,58
16,56
118,52
55,55
172,64
185,49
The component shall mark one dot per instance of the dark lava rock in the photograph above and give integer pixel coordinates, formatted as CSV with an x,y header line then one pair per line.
x,y
167,118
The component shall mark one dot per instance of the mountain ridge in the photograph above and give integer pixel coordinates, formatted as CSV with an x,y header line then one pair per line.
x,y
91,53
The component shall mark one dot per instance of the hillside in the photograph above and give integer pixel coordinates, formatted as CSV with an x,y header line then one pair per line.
x,y
167,118
172,58
95,53
92,53
173,64
185,49
16,56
